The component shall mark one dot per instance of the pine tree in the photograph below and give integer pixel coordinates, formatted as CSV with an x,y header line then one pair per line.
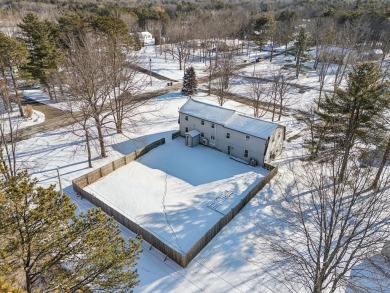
x,y
189,82
355,113
13,55
42,239
41,38
301,45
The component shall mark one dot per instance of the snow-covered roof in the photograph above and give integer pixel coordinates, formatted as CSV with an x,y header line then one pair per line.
x,y
207,112
229,118
251,126
377,51
193,133
146,34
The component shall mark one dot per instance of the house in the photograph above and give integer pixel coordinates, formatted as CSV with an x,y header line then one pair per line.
x,y
242,137
146,38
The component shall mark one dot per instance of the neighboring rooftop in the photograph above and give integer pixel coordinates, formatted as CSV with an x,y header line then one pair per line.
x,y
229,118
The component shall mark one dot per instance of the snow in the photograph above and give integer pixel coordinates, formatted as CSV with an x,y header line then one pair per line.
x,y
229,118
234,260
250,125
148,84
16,120
193,133
206,111
168,190
225,264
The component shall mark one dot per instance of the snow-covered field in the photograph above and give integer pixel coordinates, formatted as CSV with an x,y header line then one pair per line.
x,y
170,191
164,64
148,84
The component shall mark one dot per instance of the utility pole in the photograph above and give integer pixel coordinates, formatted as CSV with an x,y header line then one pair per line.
x,y
150,70
59,180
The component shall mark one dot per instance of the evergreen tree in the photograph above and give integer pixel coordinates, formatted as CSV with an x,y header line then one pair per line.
x,y
13,55
41,38
301,46
189,82
265,27
355,113
8,287
42,239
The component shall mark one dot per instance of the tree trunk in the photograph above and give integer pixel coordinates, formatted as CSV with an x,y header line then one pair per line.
x,y
381,165
280,110
101,138
89,154
274,108
28,282
17,97
297,64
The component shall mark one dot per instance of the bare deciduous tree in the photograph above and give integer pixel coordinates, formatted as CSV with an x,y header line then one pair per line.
x,y
258,91
88,83
279,91
224,72
333,225
178,37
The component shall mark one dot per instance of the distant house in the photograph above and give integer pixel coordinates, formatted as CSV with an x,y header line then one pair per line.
x,y
244,138
146,38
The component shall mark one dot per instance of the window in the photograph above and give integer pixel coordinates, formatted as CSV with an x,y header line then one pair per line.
x,y
227,135
229,149
186,118
246,154
202,122
186,129
247,137
212,137
202,134
212,125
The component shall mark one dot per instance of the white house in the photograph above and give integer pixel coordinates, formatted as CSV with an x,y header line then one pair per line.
x,y
146,38
241,137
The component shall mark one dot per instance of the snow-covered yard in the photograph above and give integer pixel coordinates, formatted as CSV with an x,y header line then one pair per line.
x,y
176,192
234,260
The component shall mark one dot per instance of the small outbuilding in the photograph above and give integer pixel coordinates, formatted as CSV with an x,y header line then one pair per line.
x,y
192,138
146,38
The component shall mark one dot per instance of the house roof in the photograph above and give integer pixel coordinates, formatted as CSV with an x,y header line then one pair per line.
x,y
229,118
207,112
145,33
250,125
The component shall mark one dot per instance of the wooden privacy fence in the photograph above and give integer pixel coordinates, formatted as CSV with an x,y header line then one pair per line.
x,y
175,135
181,258
95,175
206,238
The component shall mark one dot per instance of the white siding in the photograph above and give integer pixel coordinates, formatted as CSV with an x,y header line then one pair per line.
x,y
256,146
